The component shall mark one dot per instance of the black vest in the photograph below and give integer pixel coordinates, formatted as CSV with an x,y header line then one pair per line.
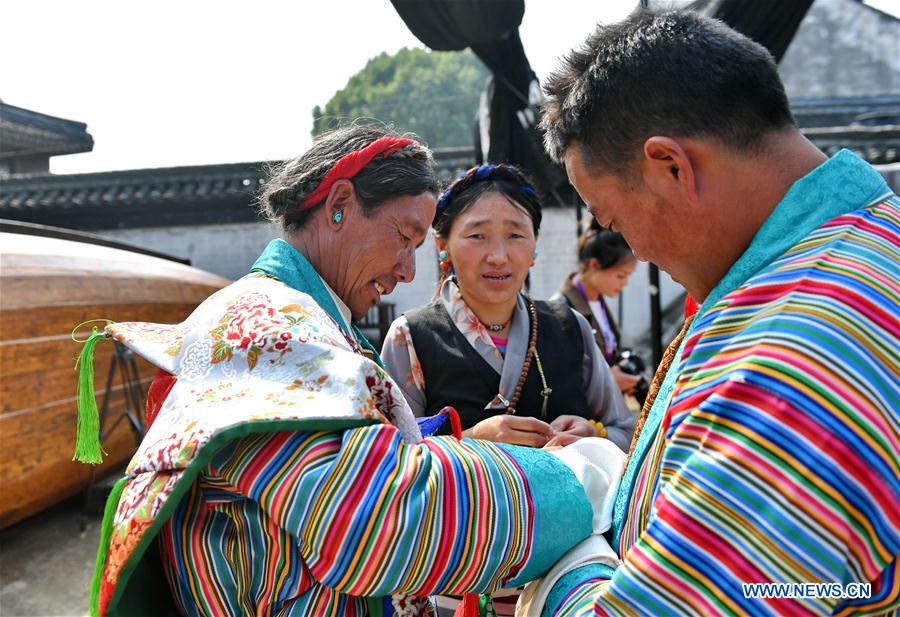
x,y
456,375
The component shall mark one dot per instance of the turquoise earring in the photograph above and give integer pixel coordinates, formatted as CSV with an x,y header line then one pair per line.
x,y
337,217
442,255
535,253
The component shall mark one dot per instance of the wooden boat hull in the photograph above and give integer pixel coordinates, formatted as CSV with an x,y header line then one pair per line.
x,y
47,287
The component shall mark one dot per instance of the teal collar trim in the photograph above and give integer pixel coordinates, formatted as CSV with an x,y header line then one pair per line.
x,y
291,267
841,184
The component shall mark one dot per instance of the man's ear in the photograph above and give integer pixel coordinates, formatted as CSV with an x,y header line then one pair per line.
x,y
668,170
341,199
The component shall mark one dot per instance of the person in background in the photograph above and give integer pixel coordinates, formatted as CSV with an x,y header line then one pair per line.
x,y
605,263
517,370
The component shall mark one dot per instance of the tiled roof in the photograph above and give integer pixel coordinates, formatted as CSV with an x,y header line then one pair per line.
x,y
203,194
868,125
214,194
26,132
134,198
879,145
840,111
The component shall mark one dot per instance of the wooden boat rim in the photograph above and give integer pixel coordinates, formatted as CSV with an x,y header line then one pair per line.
x,y
59,233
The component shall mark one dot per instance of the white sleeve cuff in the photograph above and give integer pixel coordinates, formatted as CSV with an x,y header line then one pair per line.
x,y
593,549
598,464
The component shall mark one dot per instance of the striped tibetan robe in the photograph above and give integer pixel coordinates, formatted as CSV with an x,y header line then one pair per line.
x,y
771,452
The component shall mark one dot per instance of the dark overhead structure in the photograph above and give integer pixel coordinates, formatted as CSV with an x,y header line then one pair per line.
x,y
771,23
505,131
507,119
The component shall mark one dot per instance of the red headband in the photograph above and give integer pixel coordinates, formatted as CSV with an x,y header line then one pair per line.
x,y
351,163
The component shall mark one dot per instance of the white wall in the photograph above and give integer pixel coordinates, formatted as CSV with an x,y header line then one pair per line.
x,y
229,250
843,48
226,250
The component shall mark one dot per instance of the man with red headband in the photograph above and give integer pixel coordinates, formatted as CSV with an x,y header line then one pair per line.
x,y
282,471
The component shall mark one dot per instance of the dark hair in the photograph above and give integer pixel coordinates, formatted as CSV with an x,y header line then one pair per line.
x,y
408,171
507,180
675,73
609,248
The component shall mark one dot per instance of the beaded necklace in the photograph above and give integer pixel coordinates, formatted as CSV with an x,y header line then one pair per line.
x,y
526,366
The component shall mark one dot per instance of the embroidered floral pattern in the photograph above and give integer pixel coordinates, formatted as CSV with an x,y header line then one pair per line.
x,y
411,606
195,363
141,501
252,325
173,451
151,332
402,338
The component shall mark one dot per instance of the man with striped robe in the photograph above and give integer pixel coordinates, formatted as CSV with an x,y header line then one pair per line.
x,y
764,476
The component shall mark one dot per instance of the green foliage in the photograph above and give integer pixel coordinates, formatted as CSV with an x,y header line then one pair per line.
x,y
433,94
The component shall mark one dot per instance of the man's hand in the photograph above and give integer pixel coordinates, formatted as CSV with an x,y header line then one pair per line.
x,y
512,429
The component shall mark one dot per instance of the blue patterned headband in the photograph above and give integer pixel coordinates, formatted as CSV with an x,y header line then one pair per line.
x,y
482,174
